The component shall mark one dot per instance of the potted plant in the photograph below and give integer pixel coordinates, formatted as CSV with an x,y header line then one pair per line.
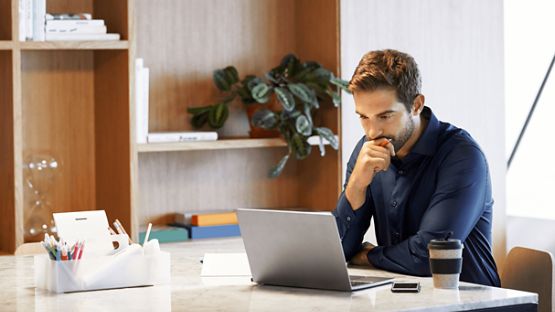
x,y
297,86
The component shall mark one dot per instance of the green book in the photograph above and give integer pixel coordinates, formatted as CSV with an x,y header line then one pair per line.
x,y
165,234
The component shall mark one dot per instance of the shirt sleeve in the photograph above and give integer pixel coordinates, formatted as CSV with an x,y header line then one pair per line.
x,y
463,187
352,225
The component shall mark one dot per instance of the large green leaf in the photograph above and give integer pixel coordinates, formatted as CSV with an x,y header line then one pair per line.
x,y
199,119
220,80
231,74
328,135
276,171
261,93
319,74
343,84
291,64
218,115
303,126
300,146
264,118
335,96
301,91
286,99
251,81
199,109
308,112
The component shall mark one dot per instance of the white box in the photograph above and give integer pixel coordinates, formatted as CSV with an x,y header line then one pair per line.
x,y
128,269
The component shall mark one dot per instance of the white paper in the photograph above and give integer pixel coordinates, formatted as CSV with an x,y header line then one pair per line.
x,y
225,264
89,226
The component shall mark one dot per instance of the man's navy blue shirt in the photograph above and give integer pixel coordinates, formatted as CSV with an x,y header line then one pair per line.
x,y
442,185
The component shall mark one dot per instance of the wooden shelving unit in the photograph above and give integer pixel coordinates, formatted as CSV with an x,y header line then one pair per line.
x,y
71,101
74,101
6,45
74,45
210,145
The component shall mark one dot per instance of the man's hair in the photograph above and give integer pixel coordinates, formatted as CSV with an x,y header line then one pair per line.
x,y
388,69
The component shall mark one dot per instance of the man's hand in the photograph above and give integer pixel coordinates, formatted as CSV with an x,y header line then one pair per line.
x,y
361,258
374,156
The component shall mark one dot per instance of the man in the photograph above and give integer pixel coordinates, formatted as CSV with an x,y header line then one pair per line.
x,y
419,178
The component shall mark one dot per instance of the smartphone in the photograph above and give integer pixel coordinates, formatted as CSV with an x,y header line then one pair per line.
x,y
404,287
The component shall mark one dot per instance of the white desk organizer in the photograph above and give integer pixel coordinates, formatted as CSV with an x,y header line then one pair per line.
x,y
133,266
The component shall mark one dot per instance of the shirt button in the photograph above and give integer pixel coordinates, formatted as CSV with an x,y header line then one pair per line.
x,y
401,172
348,218
394,204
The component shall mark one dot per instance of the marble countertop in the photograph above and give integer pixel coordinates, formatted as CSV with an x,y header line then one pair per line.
x,y
190,292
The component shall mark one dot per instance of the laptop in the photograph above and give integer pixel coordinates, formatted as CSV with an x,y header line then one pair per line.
x,y
298,249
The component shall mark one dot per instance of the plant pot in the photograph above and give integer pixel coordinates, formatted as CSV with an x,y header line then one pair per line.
x,y
256,132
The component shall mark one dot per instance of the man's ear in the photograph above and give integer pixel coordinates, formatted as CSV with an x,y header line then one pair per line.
x,y
418,105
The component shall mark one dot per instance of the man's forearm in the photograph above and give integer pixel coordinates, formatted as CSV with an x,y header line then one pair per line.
x,y
356,195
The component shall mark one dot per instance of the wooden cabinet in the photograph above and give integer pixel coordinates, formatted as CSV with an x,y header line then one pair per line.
x,y
74,101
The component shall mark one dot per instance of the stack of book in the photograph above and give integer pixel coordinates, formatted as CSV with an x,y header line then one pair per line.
x,y
165,234
209,225
76,27
37,25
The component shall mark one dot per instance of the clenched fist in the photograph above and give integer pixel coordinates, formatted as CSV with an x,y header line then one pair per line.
x,y
374,156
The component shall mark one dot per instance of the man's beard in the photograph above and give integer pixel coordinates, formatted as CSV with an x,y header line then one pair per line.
x,y
404,136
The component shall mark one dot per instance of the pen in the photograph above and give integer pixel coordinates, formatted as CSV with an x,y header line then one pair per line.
x,y
147,233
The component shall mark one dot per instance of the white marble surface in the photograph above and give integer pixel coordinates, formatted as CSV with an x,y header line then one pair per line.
x,y
189,292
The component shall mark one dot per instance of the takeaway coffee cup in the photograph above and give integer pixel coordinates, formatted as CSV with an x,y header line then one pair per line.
x,y
445,262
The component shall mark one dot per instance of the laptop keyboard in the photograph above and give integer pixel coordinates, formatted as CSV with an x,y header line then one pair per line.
x,y
357,280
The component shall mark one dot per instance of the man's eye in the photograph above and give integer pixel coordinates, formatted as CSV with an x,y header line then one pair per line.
x,y
362,117
385,117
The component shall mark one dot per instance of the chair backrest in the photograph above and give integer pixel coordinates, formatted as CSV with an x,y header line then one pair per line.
x,y
530,270
29,249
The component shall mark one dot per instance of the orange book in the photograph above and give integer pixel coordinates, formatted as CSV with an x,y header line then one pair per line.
x,y
214,219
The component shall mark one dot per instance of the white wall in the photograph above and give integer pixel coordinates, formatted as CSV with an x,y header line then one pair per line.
x,y
529,48
458,46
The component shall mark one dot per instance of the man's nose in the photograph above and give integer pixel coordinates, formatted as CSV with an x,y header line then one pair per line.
x,y
373,132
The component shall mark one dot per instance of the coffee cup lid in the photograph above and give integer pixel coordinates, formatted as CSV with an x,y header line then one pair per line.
x,y
445,244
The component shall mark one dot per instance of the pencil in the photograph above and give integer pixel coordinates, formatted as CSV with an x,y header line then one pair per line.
x,y
383,144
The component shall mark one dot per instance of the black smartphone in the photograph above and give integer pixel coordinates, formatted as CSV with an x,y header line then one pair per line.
x,y
404,287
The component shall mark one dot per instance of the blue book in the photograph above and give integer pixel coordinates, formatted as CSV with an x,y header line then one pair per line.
x,y
214,231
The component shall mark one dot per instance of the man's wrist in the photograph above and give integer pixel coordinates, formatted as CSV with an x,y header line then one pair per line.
x,y
355,194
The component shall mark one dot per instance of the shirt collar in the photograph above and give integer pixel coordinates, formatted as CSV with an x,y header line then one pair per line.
x,y
426,144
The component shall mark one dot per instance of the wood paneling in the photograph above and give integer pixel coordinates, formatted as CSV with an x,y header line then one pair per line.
x,y
183,41
5,19
69,6
213,180
317,39
112,139
58,120
7,186
114,14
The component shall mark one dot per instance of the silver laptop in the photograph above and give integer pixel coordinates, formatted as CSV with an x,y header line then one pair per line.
x,y
298,249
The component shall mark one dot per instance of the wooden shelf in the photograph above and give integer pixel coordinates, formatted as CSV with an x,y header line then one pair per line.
x,y
218,145
74,45
6,45
210,145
